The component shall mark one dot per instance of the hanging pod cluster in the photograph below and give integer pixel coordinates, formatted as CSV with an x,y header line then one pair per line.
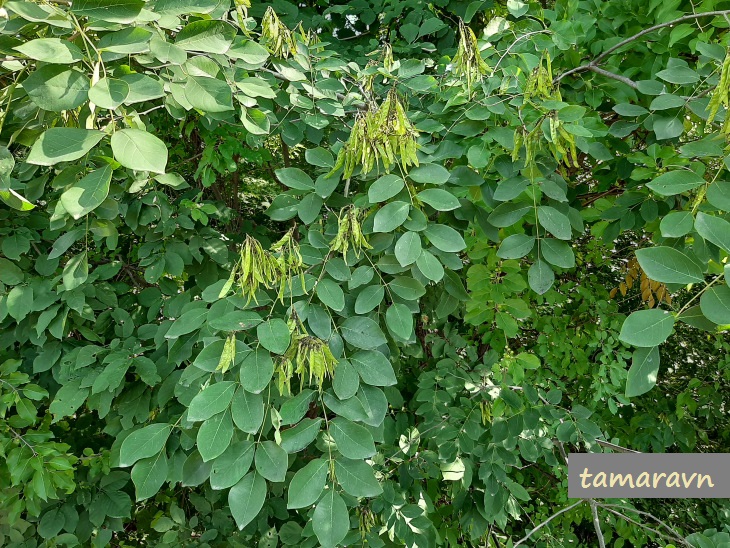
x,y
366,519
349,233
721,96
308,357
383,135
259,267
242,7
561,143
468,62
290,262
276,36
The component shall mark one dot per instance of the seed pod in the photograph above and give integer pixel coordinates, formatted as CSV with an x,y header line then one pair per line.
x,y
228,354
229,284
720,96
276,36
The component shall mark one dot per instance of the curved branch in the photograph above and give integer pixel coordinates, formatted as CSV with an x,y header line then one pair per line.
x,y
544,523
593,64
628,81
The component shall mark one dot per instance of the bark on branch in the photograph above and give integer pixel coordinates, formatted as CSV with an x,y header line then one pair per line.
x,y
593,65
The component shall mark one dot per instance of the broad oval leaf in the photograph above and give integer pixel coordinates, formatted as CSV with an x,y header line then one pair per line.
x,y
274,335
374,368
232,465
353,441
369,298
408,248
540,277
271,461
51,50
362,332
208,94
57,88
247,410
439,199
188,322
399,320
112,11
391,216
647,328
143,443
445,238
554,222
557,252
385,188
208,36
139,150
214,435
149,475
715,304
295,178
109,93
307,484
300,436
88,193
357,478
63,144
330,294
330,520
246,498
257,369
669,265
675,182
431,174
713,229
516,246
211,400
643,371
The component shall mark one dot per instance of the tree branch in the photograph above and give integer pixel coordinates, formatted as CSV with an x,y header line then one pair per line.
x,y
615,447
628,81
544,523
593,64
597,523
671,530
672,537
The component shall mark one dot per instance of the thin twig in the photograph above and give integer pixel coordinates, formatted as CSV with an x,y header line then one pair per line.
x,y
544,523
663,535
647,514
595,62
21,438
628,81
513,44
616,447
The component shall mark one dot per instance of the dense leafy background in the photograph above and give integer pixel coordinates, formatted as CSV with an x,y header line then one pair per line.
x,y
549,277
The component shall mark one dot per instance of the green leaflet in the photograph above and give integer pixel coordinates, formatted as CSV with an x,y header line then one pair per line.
x,y
140,150
246,498
63,145
308,484
643,371
647,328
331,520
88,193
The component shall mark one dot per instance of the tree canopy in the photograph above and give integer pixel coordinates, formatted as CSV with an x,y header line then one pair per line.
x,y
359,273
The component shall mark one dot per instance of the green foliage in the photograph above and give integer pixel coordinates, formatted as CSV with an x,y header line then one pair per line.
x,y
341,273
